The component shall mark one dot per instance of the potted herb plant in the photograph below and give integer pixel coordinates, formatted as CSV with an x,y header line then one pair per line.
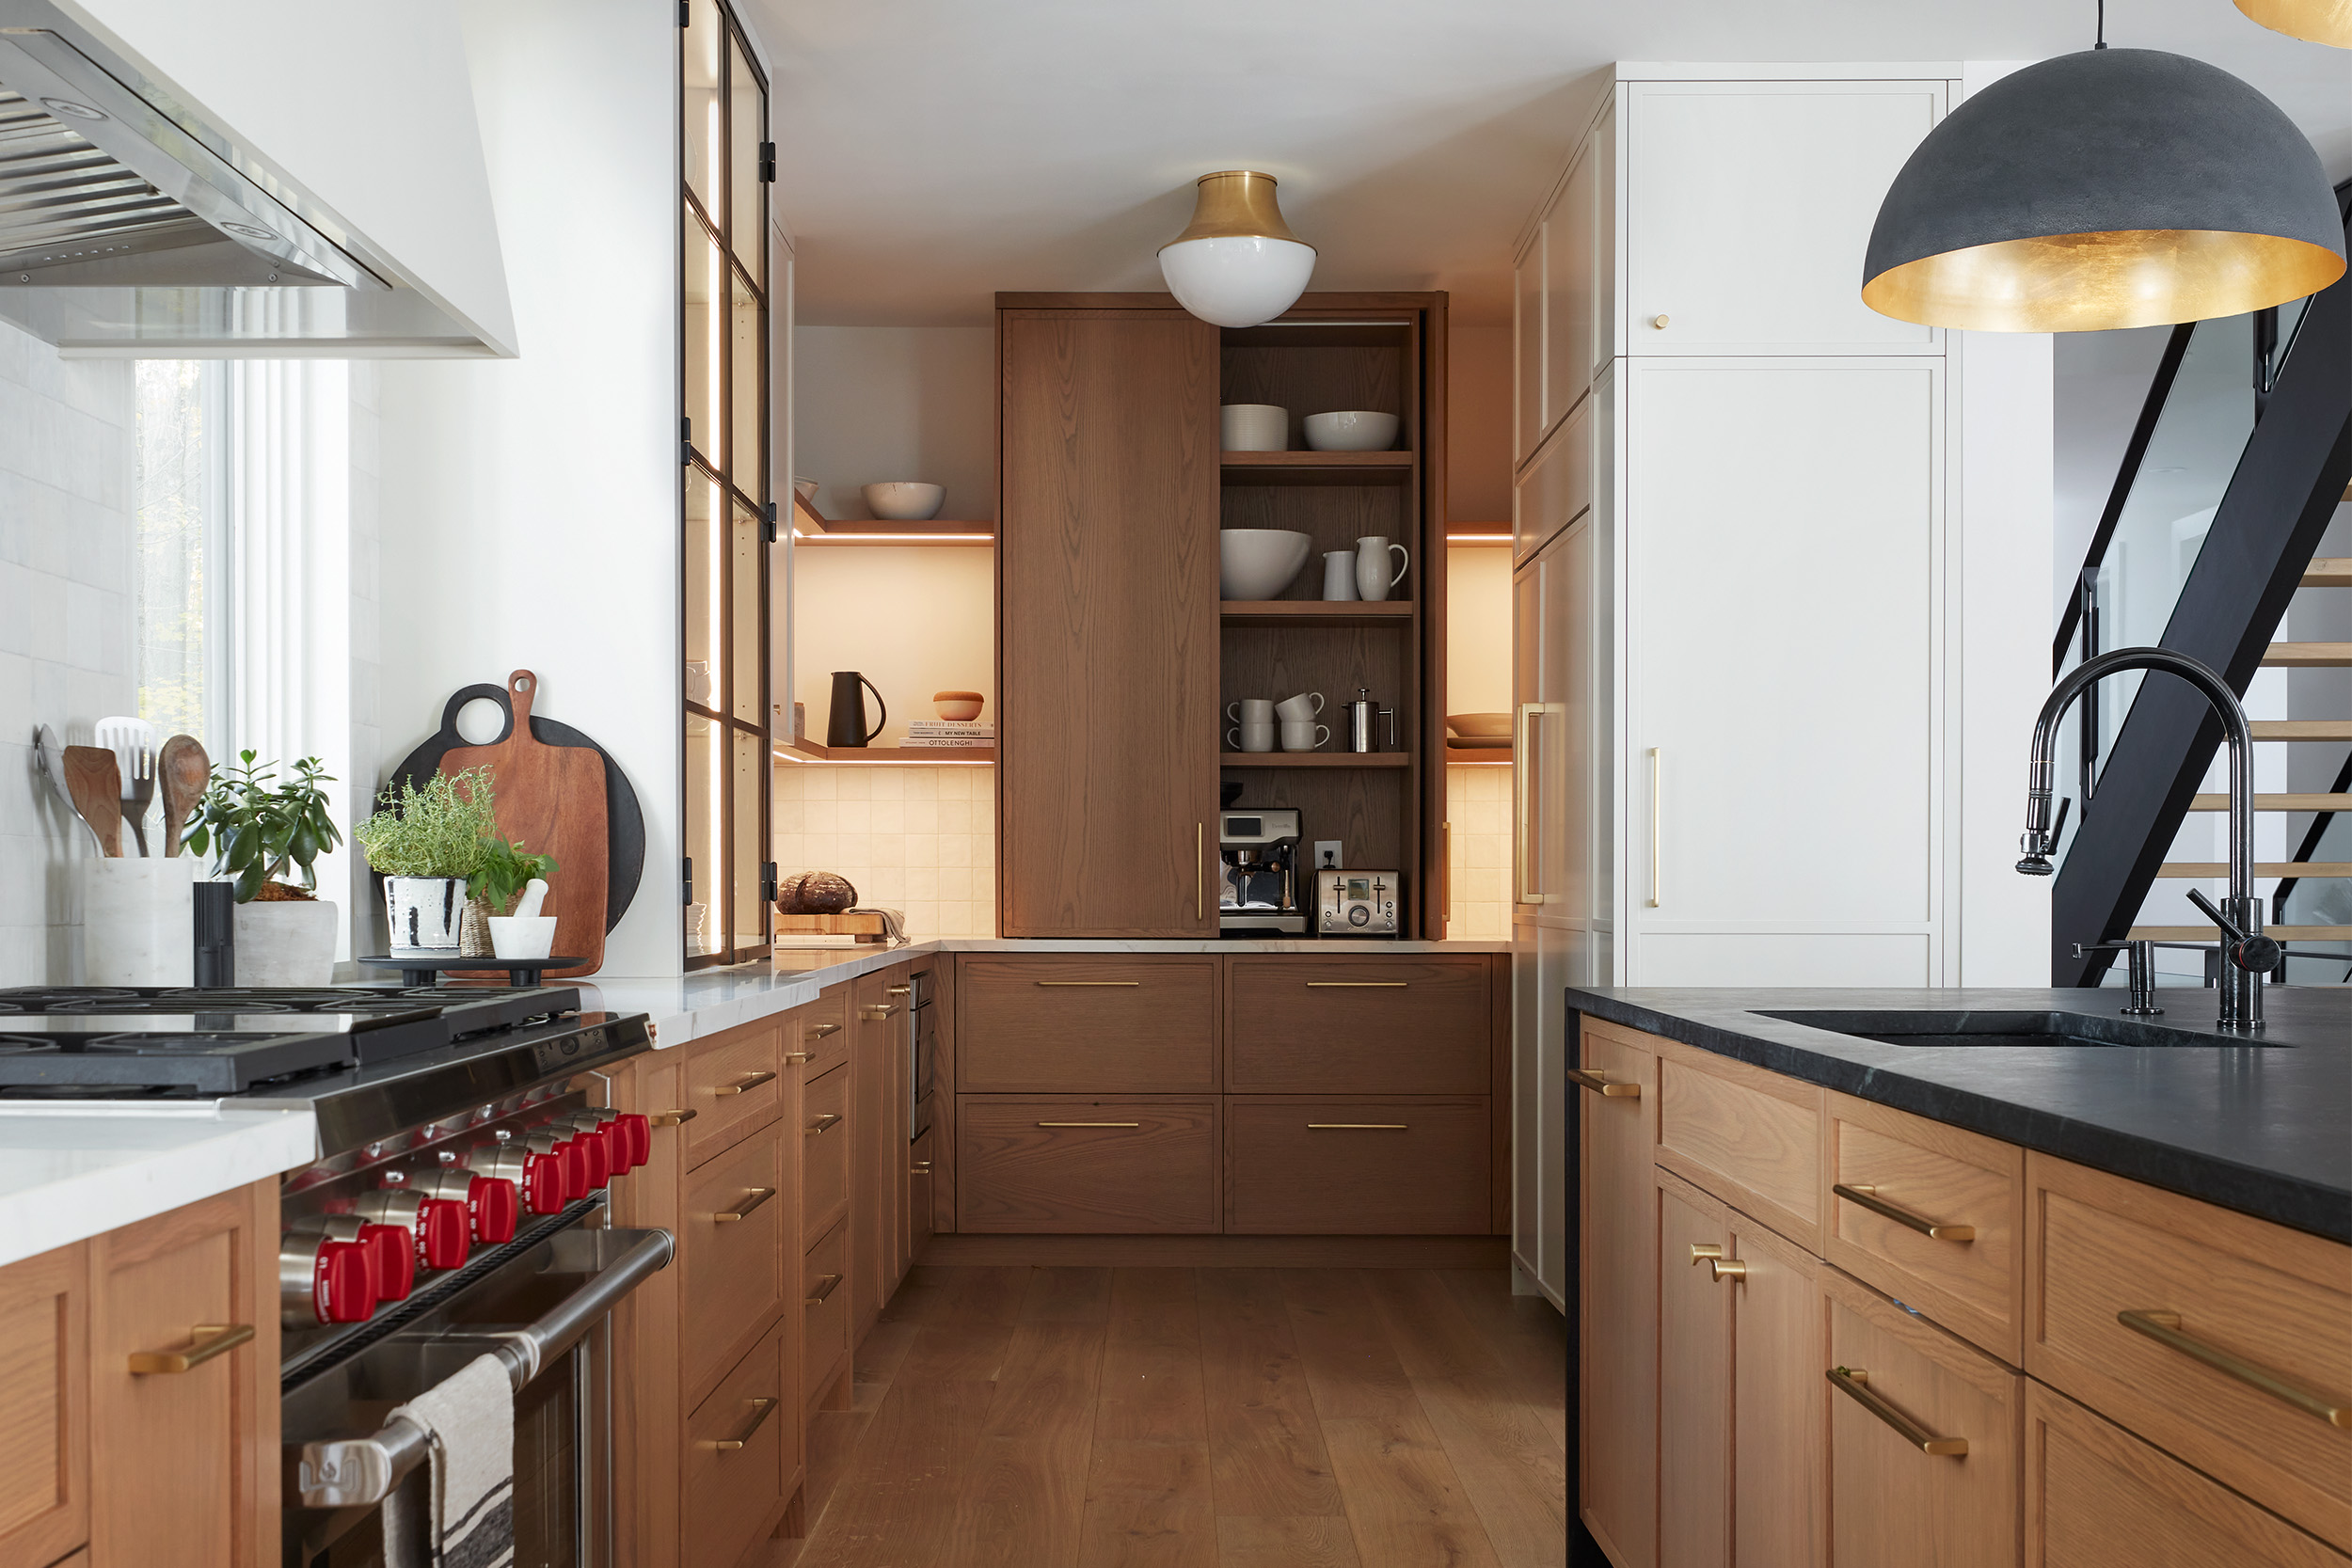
x,y
258,830
427,842
509,886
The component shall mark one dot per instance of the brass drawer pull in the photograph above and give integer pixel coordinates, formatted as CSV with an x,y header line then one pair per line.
x,y
876,1012
205,1341
2165,1329
825,1285
799,1058
1359,1127
752,1198
1854,1383
1869,1198
1586,1078
749,1081
819,1031
761,1410
1702,1251
1081,984
920,1167
1721,1269
899,991
822,1125
672,1118
1090,1124
1358,985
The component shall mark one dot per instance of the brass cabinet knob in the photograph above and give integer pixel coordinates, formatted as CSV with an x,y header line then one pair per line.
x,y
1727,1268
1701,1252
1659,322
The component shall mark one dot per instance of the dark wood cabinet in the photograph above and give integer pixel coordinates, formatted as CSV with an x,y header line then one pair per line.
x,y
1106,623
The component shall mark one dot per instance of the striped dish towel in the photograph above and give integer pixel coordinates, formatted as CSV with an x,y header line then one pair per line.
x,y
469,1418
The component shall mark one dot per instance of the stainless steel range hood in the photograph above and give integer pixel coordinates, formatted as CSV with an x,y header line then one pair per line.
x,y
135,224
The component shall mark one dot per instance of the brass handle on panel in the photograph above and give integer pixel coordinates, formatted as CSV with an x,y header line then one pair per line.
x,y
821,1125
819,1031
1522,800
1070,984
752,1198
875,1012
672,1118
825,1285
1854,1383
1586,1078
1358,985
899,991
799,1058
748,1081
1359,1127
1200,842
761,1410
1867,1197
1090,1124
1721,1269
1657,829
921,1167
1702,1251
205,1341
2165,1329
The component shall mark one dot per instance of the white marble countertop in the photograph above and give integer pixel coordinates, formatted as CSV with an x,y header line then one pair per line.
x,y
71,1170
711,1000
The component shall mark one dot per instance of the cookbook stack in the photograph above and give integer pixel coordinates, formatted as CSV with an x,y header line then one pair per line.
x,y
947,735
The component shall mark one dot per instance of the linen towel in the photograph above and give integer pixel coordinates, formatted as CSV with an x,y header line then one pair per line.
x,y
894,923
469,1521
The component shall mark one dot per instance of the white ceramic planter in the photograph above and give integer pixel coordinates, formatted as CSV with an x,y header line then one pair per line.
x,y
286,942
516,936
139,921
427,913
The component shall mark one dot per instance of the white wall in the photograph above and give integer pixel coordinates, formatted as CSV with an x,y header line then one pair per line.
x,y
1478,630
912,619
1478,424
67,591
883,402
529,508
2102,379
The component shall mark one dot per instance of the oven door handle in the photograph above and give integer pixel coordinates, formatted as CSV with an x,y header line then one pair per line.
x,y
359,1472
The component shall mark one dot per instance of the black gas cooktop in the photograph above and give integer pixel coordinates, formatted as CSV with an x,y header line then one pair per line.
x,y
57,1041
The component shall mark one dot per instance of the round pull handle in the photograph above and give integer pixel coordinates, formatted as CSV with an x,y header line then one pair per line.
x,y
1727,1268
1659,322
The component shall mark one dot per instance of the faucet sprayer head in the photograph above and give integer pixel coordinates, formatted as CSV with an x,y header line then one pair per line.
x,y
2036,859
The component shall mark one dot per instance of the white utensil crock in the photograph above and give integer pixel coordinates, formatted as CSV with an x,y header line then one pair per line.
x,y
139,921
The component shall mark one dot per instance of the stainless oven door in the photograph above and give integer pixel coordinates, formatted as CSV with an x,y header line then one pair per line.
x,y
545,1314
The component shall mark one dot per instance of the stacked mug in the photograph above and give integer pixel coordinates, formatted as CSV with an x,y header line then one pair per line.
x,y
1300,732
1257,722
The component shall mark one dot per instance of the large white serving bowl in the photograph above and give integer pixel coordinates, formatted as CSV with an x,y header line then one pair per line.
x,y
903,500
1351,430
1258,563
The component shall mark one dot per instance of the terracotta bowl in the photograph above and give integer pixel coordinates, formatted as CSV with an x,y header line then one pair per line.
x,y
958,708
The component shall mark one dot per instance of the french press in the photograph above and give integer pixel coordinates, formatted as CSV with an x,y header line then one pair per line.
x,y
1360,715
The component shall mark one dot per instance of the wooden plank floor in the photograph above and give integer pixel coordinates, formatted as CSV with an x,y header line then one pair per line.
x,y
1177,1418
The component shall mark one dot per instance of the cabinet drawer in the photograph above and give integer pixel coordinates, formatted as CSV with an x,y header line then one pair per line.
x,y
1092,1166
45,1405
825,1310
1942,1182
735,1454
733,1267
825,1152
2269,1302
732,1086
821,1028
1360,1026
1891,1504
1386,1167
1085,1025
2098,1497
1751,1137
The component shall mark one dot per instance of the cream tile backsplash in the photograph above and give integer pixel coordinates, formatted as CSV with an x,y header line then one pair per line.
x,y
921,839
1478,806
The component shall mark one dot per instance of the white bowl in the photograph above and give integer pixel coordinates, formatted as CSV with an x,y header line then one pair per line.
x,y
1351,430
1254,427
1258,563
903,501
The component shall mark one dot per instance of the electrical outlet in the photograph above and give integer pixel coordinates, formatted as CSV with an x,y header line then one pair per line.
x,y
1327,854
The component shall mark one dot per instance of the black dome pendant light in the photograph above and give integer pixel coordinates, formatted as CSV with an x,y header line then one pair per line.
x,y
2113,187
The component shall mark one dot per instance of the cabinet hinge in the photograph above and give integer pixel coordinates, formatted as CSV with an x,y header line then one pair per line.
x,y
686,442
686,880
767,162
768,521
686,13
767,881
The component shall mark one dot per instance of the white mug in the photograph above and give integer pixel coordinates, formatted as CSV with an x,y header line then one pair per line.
x,y
1251,710
1307,704
1372,581
1339,574
1250,738
1304,734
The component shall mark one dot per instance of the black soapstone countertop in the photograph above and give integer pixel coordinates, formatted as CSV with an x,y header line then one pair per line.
x,y
2264,1129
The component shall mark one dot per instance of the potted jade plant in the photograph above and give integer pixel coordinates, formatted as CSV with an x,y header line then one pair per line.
x,y
508,887
258,830
426,841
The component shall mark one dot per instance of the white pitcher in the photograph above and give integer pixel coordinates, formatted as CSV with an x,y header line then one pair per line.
x,y
1372,581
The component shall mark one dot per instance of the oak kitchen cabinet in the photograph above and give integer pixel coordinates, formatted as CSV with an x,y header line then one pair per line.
x,y
117,1432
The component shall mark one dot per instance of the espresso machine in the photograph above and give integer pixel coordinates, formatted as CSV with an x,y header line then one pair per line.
x,y
1257,883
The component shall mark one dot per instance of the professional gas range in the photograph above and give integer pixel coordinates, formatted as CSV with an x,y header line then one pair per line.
x,y
458,1206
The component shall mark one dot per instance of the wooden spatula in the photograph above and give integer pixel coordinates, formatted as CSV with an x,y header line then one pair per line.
x,y
182,771
94,779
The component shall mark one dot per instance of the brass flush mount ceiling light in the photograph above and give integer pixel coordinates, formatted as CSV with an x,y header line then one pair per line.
x,y
1237,264
2115,187
2317,20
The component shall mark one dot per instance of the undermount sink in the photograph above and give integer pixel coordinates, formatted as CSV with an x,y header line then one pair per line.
x,y
1981,1028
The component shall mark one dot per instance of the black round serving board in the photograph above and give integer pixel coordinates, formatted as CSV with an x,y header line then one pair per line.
x,y
624,822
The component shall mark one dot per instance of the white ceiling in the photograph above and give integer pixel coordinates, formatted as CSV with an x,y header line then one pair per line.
x,y
934,152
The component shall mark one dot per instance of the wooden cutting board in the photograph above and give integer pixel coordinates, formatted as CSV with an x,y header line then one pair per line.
x,y
551,799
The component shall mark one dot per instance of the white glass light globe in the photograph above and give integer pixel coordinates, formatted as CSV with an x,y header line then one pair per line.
x,y
1237,281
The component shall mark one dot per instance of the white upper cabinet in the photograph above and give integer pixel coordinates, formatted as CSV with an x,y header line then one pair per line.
x,y
1555,490
1527,350
1749,207
1570,268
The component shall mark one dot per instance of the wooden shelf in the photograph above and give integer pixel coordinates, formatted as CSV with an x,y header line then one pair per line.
x,y
1498,755
1315,759
810,528
1317,468
1328,613
811,751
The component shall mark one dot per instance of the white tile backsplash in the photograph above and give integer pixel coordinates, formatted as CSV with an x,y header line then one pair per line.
x,y
921,839
1478,808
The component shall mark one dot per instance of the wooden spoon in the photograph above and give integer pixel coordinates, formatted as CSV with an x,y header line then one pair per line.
x,y
94,779
182,770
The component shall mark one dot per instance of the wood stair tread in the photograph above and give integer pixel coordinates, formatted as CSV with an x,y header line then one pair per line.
x,y
2329,570
2289,934
2302,729
2316,801
2217,869
2308,655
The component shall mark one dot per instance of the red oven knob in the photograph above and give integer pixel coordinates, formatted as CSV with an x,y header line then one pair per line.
x,y
544,1188
595,1157
395,1252
343,1280
442,1228
636,1137
494,1206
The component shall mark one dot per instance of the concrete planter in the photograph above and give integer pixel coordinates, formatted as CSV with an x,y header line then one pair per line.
x,y
286,943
